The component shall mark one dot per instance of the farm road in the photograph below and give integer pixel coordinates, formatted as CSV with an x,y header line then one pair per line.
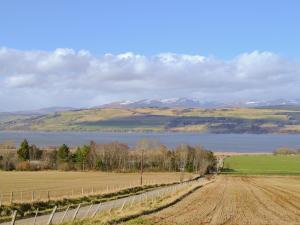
x,y
87,211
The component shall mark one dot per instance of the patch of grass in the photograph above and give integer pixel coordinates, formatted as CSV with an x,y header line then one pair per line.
x,y
133,215
191,128
28,209
263,164
140,221
291,129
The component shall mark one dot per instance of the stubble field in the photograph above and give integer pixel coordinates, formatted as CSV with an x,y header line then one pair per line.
x,y
235,200
67,184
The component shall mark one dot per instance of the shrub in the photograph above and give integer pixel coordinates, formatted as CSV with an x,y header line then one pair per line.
x,y
284,151
23,166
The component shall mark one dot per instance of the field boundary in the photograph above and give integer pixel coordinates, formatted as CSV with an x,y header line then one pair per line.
x,y
150,211
83,200
259,174
45,193
47,206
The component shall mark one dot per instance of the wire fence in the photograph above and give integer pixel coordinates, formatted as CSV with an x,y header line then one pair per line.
x,y
70,193
70,213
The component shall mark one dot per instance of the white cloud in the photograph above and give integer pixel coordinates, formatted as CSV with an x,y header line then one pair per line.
x,y
20,81
32,79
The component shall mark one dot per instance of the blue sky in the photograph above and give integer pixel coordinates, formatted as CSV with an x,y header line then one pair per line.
x,y
86,53
220,28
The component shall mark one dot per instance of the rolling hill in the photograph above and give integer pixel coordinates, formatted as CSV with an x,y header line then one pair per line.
x,y
222,120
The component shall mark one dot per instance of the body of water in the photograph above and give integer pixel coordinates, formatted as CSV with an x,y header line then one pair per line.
x,y
215,142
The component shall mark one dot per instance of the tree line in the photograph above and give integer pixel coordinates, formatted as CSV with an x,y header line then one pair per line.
x,y
114,156
286,151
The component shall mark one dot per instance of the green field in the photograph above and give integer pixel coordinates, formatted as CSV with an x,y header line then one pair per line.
x,y
263,164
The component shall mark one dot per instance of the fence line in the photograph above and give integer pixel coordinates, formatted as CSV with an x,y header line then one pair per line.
x,y
91,210
55,194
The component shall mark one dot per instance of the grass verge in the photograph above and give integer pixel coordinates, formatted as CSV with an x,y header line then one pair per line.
x,y
25,210
132,215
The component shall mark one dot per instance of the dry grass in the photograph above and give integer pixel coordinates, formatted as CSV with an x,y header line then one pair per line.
x,y
68,184
290,129
241,153
190,128
245,113
236,200
139,208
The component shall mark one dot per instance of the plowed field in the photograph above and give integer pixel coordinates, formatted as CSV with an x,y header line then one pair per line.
x,y
236,200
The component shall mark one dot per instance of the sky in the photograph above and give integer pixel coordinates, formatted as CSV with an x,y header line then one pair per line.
x,y
86,53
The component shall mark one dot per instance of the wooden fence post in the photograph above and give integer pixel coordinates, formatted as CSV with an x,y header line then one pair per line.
x,y
13,219
1,197
48,195
82,192
36,213
112,206
132,202
153,198
123,205
87,213
51,215
64,215
11,197
32,196
76,212
141,200
97,209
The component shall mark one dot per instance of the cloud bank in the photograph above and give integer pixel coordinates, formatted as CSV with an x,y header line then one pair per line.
x,y
65,77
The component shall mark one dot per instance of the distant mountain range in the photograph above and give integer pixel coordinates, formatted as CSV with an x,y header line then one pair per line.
x,y
164,103
175,115
42,111
197,103
168,103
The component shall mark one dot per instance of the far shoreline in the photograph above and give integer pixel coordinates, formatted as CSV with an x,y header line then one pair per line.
x,y
242,143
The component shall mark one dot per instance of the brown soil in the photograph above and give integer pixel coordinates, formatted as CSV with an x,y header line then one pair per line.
x,y
237,200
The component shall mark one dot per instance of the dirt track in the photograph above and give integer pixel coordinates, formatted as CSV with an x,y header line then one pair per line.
x,y
237,200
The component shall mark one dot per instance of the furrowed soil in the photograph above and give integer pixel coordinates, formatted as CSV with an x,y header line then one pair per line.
x,y
236,200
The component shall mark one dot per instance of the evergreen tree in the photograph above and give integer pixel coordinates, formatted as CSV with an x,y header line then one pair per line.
x,y
63,153
23,151
81,155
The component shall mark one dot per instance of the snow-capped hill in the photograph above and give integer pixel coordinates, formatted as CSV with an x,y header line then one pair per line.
x,y
161,103
198,103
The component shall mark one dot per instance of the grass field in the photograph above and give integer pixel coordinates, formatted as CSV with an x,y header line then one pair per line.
x,y
67,184
263,164
231,200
